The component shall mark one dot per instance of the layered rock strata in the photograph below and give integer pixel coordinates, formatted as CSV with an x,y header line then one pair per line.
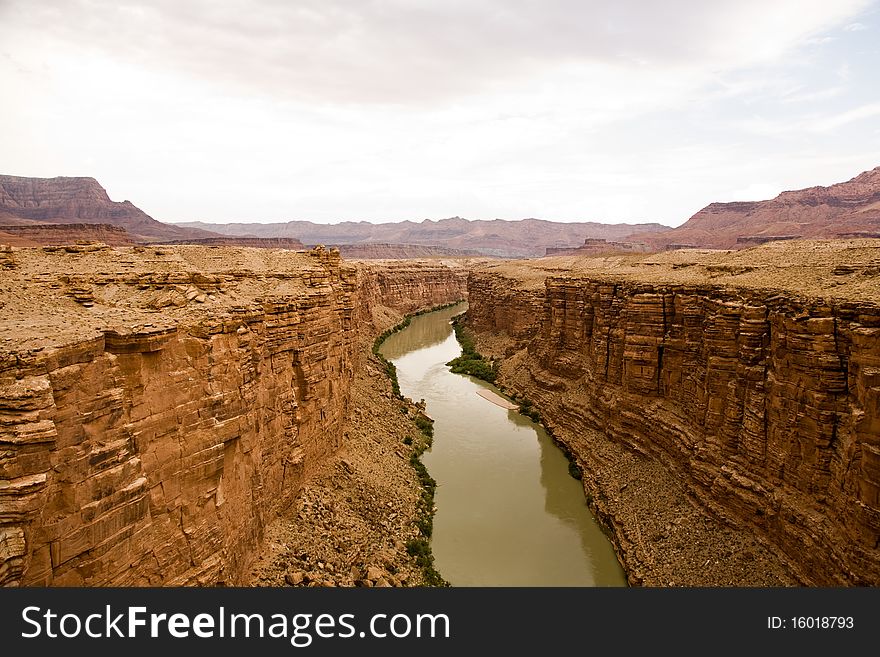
x,y
764,404
253,242
158,406
59,234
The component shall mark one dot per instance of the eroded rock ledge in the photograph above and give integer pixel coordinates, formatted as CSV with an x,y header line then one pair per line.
x,y
671,379
159,406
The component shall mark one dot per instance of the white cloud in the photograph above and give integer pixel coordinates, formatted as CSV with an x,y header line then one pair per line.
x,y
801,95
814,123
418,52
836,121
335,109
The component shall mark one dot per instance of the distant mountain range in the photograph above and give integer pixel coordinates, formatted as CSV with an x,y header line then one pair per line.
x,y
521,238
78,208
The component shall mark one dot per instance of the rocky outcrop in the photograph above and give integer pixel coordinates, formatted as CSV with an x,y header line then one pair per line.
x,y
766,405
149,443
64,200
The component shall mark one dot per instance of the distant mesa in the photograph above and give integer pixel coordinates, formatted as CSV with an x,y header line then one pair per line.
x,y
763,239
75,202
254,242
847,209
593,246
380,251
860,234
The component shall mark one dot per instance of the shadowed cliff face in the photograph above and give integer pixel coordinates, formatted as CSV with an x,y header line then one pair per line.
x,y
765,404
159,406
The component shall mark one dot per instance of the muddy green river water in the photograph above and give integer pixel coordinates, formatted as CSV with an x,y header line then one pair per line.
x,y
508,512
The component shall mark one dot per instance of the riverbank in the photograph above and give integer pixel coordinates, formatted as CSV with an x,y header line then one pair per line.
x,y
351,523
507,511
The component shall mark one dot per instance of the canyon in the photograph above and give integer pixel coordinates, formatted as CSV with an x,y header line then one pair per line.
x,y
165,409
724,406
160,406
169,397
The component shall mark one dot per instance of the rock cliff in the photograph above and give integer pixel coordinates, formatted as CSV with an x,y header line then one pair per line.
x,y
158,406
763,402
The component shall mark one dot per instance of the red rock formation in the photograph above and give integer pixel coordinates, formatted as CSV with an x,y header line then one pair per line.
x,y
401,286
159,406
79,200
845,209
765,404
56,234
593,247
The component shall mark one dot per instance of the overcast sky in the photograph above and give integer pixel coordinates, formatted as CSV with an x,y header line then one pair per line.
x,y
384,110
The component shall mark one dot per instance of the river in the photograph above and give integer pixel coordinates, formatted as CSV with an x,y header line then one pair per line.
x,y
508,512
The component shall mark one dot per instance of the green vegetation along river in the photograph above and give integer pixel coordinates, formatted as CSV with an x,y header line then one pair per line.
x,y
508,512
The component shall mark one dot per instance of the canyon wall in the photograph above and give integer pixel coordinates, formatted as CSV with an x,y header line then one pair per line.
x,y
766,405
159,406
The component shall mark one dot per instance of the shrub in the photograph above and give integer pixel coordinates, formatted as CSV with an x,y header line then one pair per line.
x,y
471,362
425,425
418,548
